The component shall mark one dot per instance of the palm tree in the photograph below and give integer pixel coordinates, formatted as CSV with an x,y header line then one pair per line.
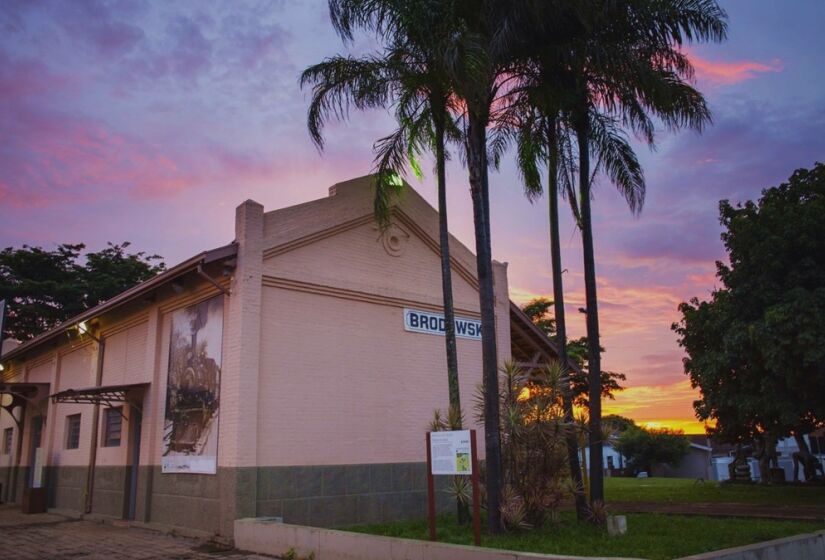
x,y
543,134
630,65
410,75
613,65
477,67
472,68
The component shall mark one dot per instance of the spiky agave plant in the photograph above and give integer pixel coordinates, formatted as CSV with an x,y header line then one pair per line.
x,y
533,435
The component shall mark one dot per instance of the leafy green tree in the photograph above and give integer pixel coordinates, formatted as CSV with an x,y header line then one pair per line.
x,y
645,448
113,270
538,310
618,423
611,381
43,288
754,349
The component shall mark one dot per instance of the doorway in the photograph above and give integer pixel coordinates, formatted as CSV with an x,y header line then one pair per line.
x,y
35,476
130,502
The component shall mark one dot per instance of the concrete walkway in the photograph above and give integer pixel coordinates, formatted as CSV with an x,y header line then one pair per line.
x,y
761,511
49,536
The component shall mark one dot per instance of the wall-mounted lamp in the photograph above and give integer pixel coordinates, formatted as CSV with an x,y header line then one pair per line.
x,y
1,367
84,328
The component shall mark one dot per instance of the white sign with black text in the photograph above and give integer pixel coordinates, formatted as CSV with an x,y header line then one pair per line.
x,y
450,452
433,323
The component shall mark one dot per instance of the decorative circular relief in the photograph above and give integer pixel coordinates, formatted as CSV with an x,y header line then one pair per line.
x,y
395,240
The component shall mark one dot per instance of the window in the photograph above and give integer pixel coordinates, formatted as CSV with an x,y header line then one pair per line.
x,y
113,425
73,431
8,436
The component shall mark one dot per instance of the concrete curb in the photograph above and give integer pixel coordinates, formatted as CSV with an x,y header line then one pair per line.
x,y
268,536
798,547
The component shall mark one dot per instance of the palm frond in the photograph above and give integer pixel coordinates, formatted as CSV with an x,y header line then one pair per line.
x,y
617,158
339,83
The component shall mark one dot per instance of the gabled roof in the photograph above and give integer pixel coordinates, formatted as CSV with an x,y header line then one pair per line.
x,y
351,203
206,257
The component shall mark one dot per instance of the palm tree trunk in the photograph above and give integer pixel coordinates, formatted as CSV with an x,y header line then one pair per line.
x,y
446,269
477,165
561,327
462,508
593,347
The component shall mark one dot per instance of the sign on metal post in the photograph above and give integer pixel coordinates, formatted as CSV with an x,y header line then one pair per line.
x,y
453,453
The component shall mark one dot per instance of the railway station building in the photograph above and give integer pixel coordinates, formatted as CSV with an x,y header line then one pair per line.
x,y
290,373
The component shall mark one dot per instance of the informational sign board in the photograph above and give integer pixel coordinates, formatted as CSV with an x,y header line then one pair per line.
x,y
450,452
433,323
453,453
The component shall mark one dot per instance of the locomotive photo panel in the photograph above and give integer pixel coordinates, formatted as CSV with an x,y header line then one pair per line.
x,y
190,431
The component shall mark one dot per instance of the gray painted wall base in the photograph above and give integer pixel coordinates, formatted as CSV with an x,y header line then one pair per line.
x,y
323,496
341,495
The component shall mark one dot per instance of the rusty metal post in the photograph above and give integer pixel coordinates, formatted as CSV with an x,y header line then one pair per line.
x,y
476,493
430,490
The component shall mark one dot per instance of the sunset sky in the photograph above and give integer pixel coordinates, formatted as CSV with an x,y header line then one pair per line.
x,y
149,121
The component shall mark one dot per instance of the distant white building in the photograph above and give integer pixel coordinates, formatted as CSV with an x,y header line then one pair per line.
x,y
697,464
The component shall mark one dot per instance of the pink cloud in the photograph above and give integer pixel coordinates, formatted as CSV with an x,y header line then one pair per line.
x,y
728,73
25,77
55,158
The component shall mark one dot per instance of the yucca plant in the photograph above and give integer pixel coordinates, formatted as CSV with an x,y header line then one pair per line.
x,y
533,444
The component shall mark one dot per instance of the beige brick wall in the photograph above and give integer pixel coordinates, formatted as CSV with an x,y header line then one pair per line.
x,y
350,386
341,381
76,370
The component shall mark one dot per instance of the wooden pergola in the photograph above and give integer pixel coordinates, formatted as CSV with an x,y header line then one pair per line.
x,y
530,347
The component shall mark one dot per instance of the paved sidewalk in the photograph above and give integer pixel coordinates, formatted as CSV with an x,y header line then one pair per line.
x,y
54,537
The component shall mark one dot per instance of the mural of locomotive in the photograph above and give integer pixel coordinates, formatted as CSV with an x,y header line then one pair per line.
x,y
190,435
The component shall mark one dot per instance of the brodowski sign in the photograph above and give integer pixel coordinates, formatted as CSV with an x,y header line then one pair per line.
x,y
433,323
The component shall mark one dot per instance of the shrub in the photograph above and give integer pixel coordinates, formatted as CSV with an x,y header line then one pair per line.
x,y
533,452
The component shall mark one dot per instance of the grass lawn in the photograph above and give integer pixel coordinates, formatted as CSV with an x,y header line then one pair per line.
x,y
650,536
687,490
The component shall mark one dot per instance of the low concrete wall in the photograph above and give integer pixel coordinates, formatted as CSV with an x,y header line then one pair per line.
x,y
265,536
810,546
